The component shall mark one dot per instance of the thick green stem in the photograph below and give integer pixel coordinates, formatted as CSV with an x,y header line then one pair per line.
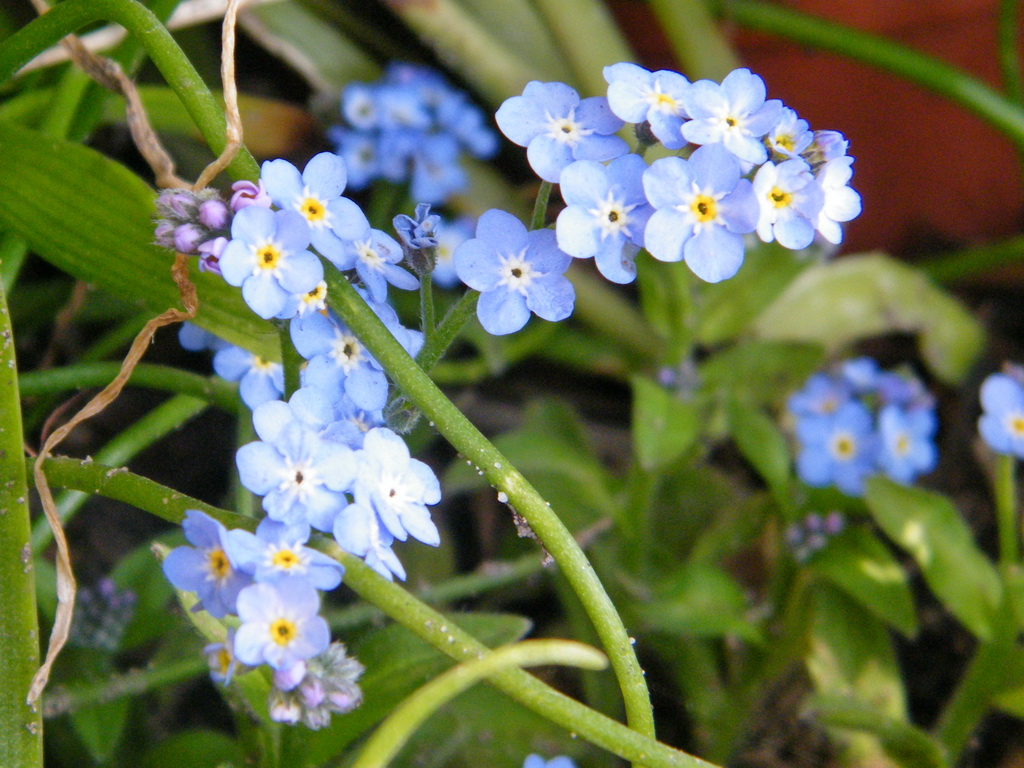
x,y
21,727
427,320
68,17
1006,508
417,386
389,738
928,72
423,621
213,389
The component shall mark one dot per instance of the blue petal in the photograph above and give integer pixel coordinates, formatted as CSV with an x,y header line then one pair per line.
x,y
325,175
577,232
714,254
282,181
502,311
666,234
551,297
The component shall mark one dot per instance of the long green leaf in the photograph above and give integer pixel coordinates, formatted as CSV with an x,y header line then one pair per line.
x,y
92,217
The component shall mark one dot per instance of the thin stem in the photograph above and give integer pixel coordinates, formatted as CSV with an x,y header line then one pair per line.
x,y
926,71
423,621
67,17
448,330
540,206
13,251
391,735
1009,55
213,389
467,439
427,321
165,418
21,727
1005,487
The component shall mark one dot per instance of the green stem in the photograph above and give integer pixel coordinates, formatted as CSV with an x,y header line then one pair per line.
x,y
971,261
423,621
1009,56
391,735
13,251
1005,487
699,46
448,330
416,385
427,321
290,359
68,17
540,206
21,728
213,389
60,700
163,419
926,71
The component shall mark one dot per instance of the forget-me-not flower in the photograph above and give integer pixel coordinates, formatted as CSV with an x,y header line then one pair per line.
x,y
516,272
267,257
703,210
838,449
359,531
276,551
906,442
259,380
308,193
557,127
280,624
1002,421
790,200
606,210
637,95
841,203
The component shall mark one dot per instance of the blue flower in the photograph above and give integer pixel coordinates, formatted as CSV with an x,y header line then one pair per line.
x,y
220,657
703,210
196,339
1002,421
536,761
790,136
838,449
360,153
259,380
790,200
280,624
450,235
907,446
359,531
821,395
516,272
338,362
436,173
606,212
397,487
862,374
276,552
206,568
267,257
636,94
734,114
556,127
841,203
308,194
301,476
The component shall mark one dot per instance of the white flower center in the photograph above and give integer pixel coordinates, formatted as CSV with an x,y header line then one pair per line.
x,y
566,129
347,351
369,255
612,217
516,272
299,479
313,209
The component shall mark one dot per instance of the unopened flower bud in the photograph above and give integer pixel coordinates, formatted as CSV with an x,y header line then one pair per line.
x,y
214,214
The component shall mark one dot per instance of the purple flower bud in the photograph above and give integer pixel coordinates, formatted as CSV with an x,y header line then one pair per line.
x,y
312,693
164,234
187,238
285,710
247,193
179,203
213,214
344,701
209,254
289,678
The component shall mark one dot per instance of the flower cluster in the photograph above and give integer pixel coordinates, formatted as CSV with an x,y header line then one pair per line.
x,y
857,420
812,534
747,164
411,125
1002,421
270,581
102,614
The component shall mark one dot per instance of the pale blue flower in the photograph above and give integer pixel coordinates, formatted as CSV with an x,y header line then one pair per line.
x,y
790,200
637,95
1002,422
206,568
280,624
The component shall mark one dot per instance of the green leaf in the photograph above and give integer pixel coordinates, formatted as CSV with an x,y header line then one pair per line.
x,y
700,600
664,426
728,308
908,745
838,303
397,663
195,748
92,217
101,726
862,566
140,572
931,530
759,372
763,445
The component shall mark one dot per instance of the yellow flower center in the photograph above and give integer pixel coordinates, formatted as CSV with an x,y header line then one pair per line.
x,y
283,631
780,198
268,256
663,102
285,559
843,446
902,445
1015,424
313,210
218,564
704,208
223,661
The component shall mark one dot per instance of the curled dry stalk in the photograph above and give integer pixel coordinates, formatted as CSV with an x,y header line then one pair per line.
x,y
110,75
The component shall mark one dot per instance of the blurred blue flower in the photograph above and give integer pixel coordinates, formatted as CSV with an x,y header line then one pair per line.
x,y
556,127
839,449
536,761
1002,421
516,272
907,442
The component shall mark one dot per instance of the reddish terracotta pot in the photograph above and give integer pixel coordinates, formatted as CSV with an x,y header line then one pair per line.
x,y
931,174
